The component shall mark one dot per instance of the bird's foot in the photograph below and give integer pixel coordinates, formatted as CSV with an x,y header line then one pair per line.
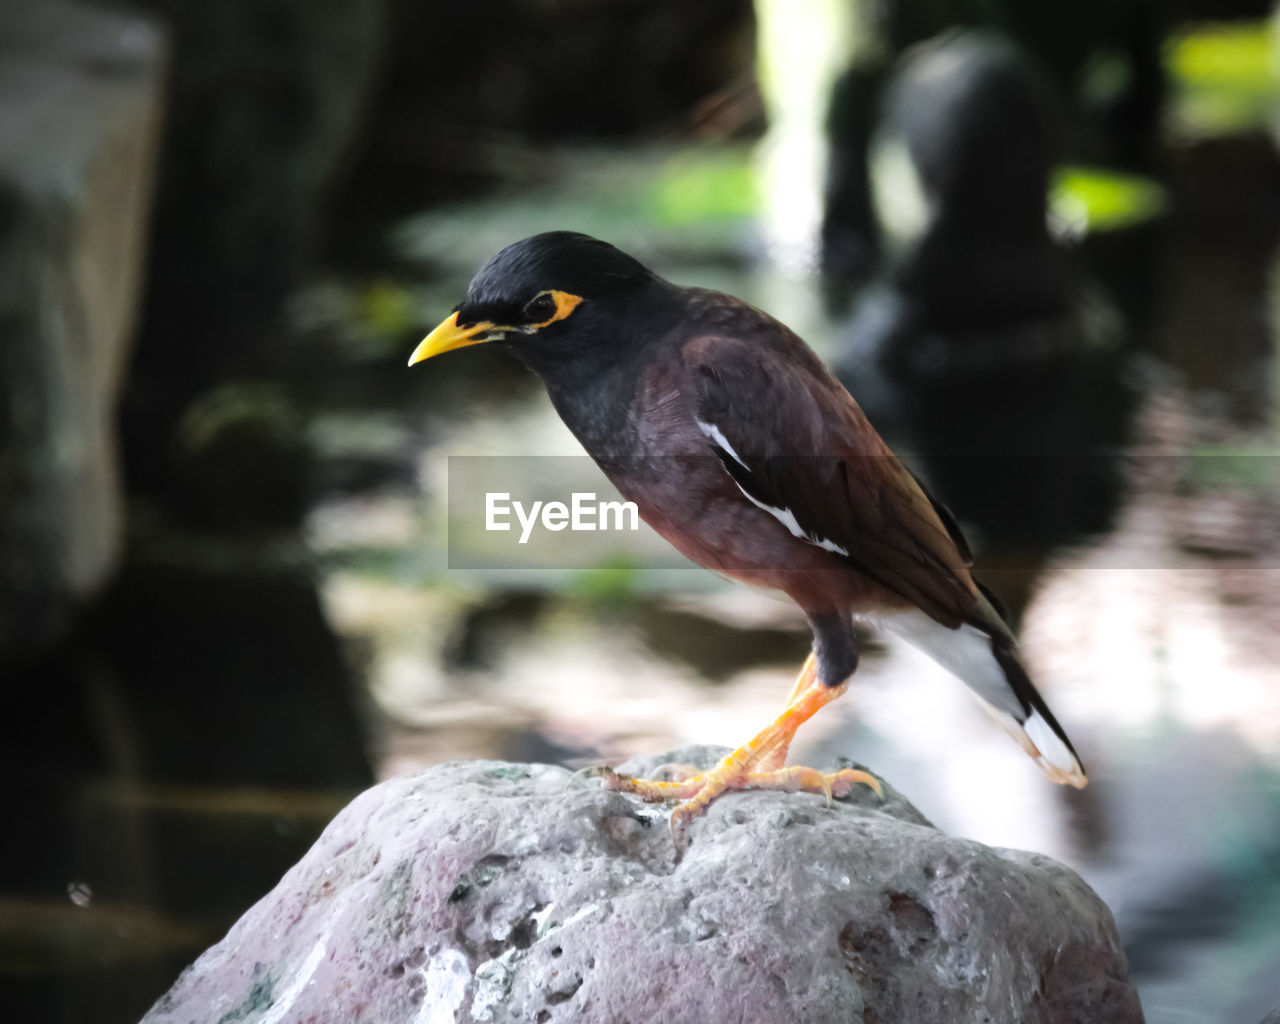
x,y
756,765
734,773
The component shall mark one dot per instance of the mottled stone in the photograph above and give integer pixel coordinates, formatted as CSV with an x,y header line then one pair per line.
x,y
495,892
80,102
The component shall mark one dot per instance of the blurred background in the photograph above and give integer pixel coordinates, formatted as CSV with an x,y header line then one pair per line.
x,y
1037,241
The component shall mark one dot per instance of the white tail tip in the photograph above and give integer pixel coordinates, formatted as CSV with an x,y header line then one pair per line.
x,y
1052,755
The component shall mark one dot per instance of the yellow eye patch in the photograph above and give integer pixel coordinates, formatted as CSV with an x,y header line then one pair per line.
x,y
564,305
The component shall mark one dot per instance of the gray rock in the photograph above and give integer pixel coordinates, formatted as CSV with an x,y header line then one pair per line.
x,y
495,892
80,105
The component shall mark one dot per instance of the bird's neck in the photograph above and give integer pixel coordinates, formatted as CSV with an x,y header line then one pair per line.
x,y
594,393
596,406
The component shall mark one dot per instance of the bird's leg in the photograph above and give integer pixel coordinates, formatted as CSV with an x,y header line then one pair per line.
x,y
808,672
776,757
745,767
770,753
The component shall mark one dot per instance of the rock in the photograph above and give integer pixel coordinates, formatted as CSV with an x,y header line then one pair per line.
x,y
80,104
494,892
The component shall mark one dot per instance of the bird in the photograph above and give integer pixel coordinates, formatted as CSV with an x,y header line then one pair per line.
x,y
742,450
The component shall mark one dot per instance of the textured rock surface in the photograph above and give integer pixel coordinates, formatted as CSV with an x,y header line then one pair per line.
x,y
490,892
80,99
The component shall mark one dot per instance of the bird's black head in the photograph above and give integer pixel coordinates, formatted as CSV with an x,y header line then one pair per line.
x,y
548,297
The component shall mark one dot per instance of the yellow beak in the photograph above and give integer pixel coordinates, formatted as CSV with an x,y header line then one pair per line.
x,y
449,336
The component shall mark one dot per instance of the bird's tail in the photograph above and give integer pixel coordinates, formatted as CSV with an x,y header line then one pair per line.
x,y
984,657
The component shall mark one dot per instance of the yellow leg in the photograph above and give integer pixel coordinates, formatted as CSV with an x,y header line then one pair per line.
x,y
808,672
776,757
757,764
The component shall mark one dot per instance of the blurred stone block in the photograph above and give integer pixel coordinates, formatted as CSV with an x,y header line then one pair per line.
x,y
80,108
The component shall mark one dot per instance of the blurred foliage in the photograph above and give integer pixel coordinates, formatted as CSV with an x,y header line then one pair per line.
x,y
695,200
1087,199
1245,467
234,406
1105,77
385,308
1084,199
364,319
611,583
705,185
386,563
1225,77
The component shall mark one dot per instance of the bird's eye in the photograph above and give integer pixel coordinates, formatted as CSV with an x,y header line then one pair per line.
x,y
540,308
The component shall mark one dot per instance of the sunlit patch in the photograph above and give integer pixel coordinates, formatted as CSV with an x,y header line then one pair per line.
x,y
902,203
799,59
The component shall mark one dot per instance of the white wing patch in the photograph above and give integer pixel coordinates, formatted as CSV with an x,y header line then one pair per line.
x,y
788,519
784,515
717,438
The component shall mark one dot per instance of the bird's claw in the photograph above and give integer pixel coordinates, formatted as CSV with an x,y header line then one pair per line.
x,y
696,792
842,782
582,774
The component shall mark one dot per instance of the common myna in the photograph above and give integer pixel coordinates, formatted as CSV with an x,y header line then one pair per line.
x,y
738,446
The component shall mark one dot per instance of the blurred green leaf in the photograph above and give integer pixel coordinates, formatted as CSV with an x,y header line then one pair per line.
x,y
252,408
643,201
1224,77
1215,468
385,308
387,563
611,582
1097,199
712,185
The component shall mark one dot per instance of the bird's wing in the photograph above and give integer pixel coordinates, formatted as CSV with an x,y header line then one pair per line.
x,y
798,446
